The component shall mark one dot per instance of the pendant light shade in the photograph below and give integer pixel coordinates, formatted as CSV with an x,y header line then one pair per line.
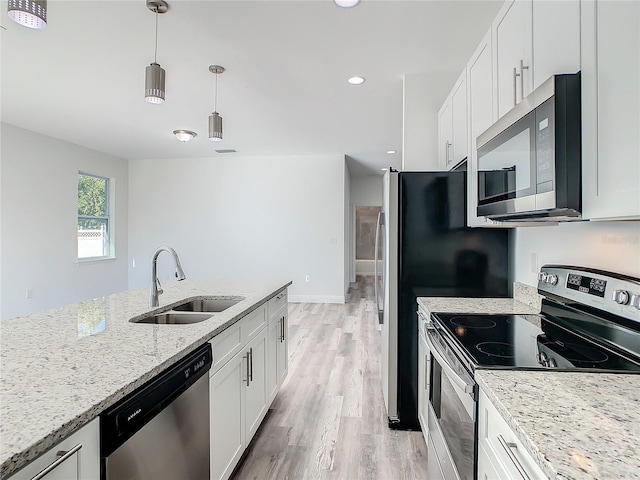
x,y
215,120
154,81
29,13
215,127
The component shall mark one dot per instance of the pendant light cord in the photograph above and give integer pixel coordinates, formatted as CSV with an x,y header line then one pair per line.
x,y
215,98
155,52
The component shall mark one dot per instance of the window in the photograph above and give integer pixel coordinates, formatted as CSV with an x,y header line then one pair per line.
x,y
94,221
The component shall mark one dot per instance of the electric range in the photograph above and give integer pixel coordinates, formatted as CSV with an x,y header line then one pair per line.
x,y
589,322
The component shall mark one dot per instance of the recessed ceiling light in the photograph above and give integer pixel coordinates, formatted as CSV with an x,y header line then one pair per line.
x,y
390,152
356,80
346,3
184,135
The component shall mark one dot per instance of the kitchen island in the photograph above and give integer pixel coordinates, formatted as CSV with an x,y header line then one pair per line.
x,y
574,425
61,368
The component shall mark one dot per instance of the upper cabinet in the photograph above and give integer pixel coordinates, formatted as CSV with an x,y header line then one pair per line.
x,y
556,39
481,116
452,126
533,40
513,47
610,109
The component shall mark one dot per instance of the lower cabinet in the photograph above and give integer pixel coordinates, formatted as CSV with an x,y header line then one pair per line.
x,y
75,458
241,390
500,453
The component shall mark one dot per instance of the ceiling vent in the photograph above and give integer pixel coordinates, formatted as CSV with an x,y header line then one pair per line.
x,y
227,150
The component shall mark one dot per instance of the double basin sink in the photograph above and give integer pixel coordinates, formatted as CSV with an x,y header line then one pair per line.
x,y
191,311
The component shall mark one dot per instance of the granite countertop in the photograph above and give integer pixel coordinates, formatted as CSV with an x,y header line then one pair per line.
x,y
61,368
578,426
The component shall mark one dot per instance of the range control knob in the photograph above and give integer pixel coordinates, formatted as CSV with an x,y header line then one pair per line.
x,y
542,359
542,277
621,297
552,279
635,300
552,363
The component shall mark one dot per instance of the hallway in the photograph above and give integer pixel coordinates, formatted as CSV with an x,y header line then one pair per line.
x,y
329,421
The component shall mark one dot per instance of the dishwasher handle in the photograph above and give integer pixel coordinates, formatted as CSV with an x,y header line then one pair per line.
x,y
129,415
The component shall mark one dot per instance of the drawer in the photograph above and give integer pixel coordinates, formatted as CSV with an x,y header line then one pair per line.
x,y
225,345
501,443
76,457
253,323
276,303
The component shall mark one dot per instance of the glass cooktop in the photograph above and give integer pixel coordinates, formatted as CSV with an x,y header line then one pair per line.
x,y
533,341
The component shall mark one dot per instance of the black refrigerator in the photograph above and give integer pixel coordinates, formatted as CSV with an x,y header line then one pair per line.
x,y
427,251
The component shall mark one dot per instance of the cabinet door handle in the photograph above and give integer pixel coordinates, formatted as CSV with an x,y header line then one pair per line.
x,y
62,456
283,327
523,67
447,145
508,446
251,364
248,368
515,86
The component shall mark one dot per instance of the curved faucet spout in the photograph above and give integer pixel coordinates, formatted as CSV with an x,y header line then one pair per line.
x,y
156,288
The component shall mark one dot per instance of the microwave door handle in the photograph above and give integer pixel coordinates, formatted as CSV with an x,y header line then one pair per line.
x,y
466,386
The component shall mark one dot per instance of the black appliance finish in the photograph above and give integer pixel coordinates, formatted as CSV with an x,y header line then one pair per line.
x,y
529,161
165,421
581,332
439,256
589,322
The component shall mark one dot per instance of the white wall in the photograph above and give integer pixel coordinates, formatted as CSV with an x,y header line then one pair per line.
x,y
612,246
39,223
423,95
366,191
271,218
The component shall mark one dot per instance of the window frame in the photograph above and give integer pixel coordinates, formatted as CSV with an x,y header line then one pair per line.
x,y
109,219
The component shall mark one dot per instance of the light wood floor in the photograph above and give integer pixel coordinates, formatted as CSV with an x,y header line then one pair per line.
x,y
329,421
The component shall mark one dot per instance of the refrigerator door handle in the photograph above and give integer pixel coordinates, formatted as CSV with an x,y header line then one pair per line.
x,y
375,267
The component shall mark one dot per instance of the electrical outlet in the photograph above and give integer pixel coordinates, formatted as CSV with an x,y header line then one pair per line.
x,y
133,263
534,263
307,278
29,293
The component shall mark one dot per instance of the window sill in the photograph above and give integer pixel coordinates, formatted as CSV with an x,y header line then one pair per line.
x,y
92,260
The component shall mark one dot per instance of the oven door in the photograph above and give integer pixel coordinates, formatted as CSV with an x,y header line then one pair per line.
x,y
452,415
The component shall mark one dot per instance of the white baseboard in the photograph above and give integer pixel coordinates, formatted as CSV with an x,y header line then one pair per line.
x,y
316,299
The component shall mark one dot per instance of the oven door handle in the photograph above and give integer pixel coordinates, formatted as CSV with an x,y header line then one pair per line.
x,y
466,385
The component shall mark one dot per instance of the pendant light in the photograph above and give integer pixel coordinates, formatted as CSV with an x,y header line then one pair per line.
x,y
28,13
215,120
155,75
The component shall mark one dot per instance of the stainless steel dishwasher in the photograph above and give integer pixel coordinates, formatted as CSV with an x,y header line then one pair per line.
x,y
161,430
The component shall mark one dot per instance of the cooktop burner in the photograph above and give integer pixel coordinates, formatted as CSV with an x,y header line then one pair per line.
x,y
472,322
496,349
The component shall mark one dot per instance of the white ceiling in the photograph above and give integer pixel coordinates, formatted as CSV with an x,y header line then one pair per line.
x,y
284,91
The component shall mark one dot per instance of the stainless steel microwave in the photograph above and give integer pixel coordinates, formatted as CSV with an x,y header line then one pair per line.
x,y
529,161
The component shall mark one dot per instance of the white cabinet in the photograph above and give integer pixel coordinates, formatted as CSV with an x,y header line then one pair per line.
x,y
556,39
75,458
256,385
278,353
226,417
424,358
445,134
481,116
241,383
610,109
513,47
452,126
500,453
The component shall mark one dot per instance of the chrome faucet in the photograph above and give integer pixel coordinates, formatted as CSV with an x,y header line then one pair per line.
x,y
156,288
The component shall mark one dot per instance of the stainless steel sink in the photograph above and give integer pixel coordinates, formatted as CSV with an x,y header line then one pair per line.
x,y
174,318
211,304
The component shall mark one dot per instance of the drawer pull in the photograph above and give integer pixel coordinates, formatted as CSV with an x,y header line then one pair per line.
x,y
508,446
62,456
280,296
